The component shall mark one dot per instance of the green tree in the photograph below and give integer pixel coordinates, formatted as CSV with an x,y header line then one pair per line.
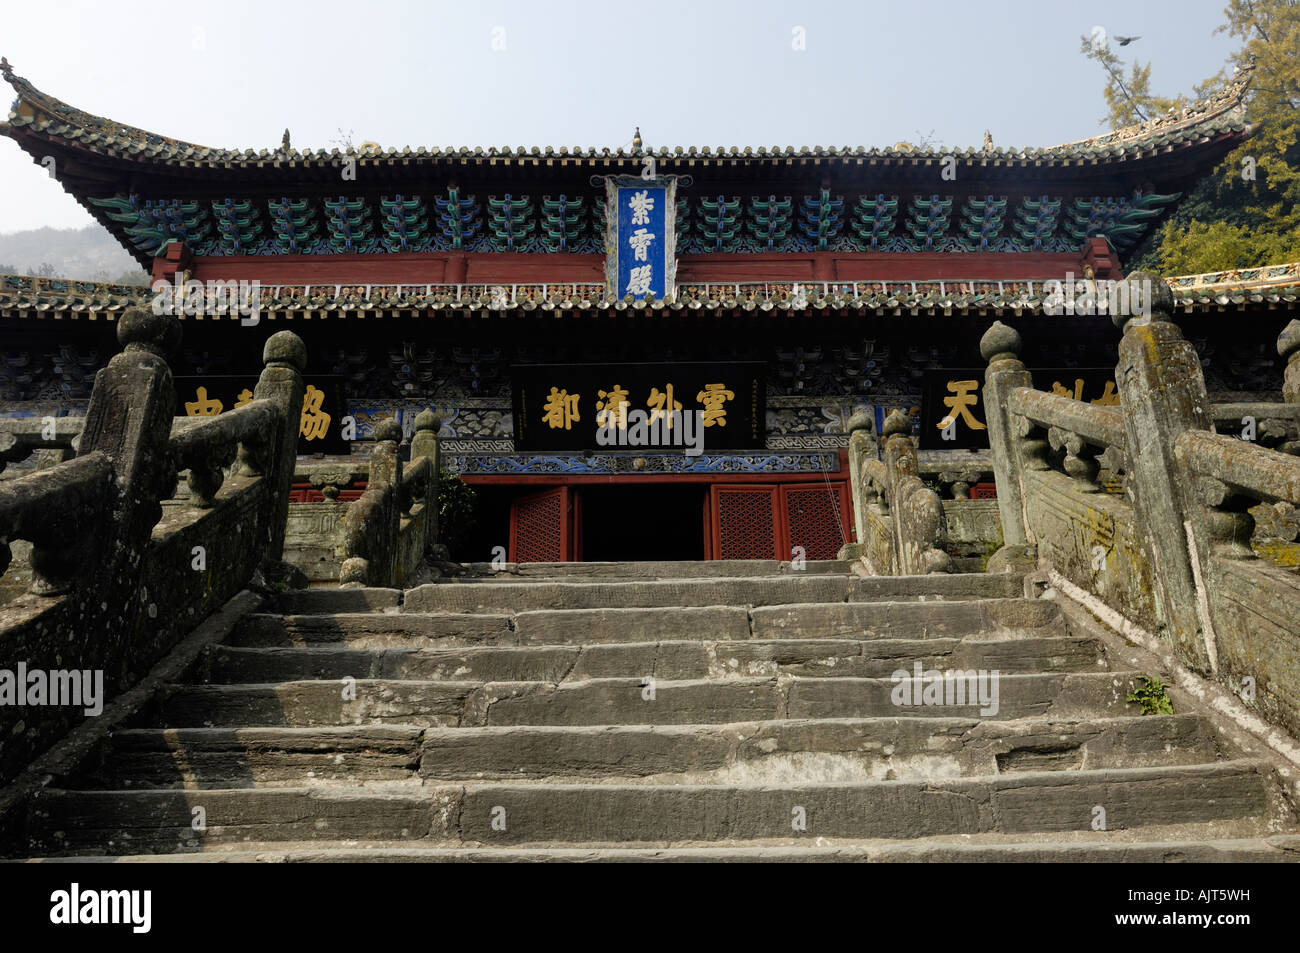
x,y
1247,213
1128,101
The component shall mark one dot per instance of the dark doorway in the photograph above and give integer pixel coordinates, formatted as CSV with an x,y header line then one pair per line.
x,y
643,522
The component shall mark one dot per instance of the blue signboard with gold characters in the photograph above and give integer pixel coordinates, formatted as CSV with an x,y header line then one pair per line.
x,y
640,239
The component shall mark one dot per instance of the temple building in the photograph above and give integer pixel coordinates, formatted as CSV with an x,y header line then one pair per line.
x,y
560,307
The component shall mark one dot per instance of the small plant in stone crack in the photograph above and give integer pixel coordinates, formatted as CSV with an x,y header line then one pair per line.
x,y
1153,696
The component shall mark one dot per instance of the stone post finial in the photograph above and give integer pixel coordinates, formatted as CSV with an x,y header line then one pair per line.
x,y
1146,295
861,420
1000,340
139,329
1288,346
427,420
897,423
286,349
388,429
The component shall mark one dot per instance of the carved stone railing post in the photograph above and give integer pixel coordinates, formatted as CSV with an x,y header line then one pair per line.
x,y
372,523
1162,393
284,358
862,447
425,444
1288,346
1000,346
130,420
916,510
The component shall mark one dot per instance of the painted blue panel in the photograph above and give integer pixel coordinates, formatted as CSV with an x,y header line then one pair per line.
x,y
641,241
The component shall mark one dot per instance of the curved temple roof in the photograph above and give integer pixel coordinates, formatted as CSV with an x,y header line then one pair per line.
x,y
148,189
42,114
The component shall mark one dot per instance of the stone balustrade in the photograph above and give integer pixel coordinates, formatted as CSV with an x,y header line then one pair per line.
x,y
387,533
1175,557
51,439
113,582
900,521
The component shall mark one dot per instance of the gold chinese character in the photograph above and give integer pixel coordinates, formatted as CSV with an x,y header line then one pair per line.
x,y
612,408
201,406
663,404
960,404
1109,397
713,397
314,422
1061,391
561,409
245,397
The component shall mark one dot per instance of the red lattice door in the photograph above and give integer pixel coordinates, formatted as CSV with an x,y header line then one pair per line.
x,y
541,527
744,524
815,516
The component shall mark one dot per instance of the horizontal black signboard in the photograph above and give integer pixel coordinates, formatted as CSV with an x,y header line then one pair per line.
x,y
652,407
952,401
323,409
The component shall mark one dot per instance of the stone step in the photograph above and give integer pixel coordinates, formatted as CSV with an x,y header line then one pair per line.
x,y
655,569
668,659
627,701
374,630
1100,847
884,619
453,596
774,752
477,595
1233,793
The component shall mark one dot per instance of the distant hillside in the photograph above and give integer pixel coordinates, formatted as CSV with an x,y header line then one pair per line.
x,y
89,254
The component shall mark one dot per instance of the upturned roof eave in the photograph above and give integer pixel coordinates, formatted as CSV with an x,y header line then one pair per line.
x,y
49,118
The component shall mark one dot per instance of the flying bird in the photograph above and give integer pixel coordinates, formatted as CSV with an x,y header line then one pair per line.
x,y
1126,40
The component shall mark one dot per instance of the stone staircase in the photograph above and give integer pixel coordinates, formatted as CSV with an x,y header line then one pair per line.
x,y
676,711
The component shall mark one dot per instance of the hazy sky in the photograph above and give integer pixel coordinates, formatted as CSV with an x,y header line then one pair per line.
x,y
690,72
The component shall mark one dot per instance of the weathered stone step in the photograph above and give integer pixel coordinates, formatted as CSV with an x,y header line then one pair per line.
x,y
1233,792
668,659
627,701
239,757
373,630
470,595
452,596
898,620
790,751
162,821
1099,848
656,569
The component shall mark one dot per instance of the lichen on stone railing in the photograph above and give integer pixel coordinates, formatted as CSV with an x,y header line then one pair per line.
x,y
1176,556
390,529
52,439
1231,476
899,520
207,446
1045,423
114,583
59,513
